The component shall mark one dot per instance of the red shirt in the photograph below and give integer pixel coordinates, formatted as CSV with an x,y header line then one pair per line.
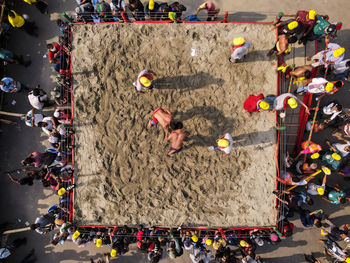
x,y
56,48
302,19
251,103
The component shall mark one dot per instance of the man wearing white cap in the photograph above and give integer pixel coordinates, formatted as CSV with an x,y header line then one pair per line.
x,y
144,80
239,49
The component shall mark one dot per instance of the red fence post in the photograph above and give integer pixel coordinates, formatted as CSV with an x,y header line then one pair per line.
x,y
225,17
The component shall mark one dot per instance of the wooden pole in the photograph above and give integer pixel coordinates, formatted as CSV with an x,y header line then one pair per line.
x,y
7,232
12,114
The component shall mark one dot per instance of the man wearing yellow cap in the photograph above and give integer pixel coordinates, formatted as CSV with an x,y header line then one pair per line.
x,y
224,143
258,103
144,80
332,55
239,49
151,9
290,27
288,100
316,189
321,86
307,20
17,21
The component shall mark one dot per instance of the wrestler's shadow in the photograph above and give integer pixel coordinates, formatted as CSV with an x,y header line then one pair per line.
x,y
217,124
188,82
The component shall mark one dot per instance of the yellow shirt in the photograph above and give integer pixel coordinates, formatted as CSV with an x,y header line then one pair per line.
x,y
17,21
30,1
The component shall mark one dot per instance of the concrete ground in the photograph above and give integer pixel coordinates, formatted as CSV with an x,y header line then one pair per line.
x,y
24,203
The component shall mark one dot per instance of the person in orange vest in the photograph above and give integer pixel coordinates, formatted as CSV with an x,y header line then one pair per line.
x,y
18,21
40,4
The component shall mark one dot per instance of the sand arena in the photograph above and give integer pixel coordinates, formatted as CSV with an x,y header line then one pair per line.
x,y
123,173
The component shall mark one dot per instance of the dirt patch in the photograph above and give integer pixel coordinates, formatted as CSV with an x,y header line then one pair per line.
x,y
123,174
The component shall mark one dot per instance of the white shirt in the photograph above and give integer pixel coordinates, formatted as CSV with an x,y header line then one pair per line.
x,y
120,3
279,101
240,52
328,111
4,253
228,149
340,147
317,85
35,101
49,126
37,118
340,67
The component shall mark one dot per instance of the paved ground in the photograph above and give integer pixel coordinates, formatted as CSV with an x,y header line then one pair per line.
x,y
21,203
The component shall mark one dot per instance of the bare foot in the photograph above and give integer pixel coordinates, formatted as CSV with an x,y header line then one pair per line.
x,y
149,124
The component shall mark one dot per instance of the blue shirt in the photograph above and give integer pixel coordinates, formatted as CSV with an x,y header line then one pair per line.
x,y
9,85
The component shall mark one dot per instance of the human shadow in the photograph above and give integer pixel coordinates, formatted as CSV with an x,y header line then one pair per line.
x,y
245,17
219,124
254,138
188,82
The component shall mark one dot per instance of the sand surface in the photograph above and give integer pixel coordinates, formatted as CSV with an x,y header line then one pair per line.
x,y
123,174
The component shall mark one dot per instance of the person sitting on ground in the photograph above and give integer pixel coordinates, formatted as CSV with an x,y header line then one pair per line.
x,y
201,255
44,224
308,219
174,249
239,49
342,149
17,21
334,251
213,10
48,125
137,9
10,85
282,46
285,100
176,137
335,196
333,109
163,117
39,4
307,20
117,7
258,103
29,177
334,232
155,254
144,80
224,144
321,86
332,55
38,98
9,57
341,70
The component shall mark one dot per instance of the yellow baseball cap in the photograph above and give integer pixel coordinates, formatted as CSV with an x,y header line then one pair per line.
x,y
238,41
61,191
76,234
194,238
243,243
151,5
326,170
336,156
315,155
293,25
223,143
264,105
329,86
320,191
338,52
208,242
113,253
312,14
171,16
323,232
292,103
347,260
145,82
98,242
